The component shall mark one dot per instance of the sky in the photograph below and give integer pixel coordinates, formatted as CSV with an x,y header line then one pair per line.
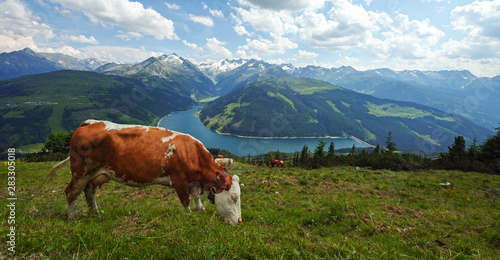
x,y
365,34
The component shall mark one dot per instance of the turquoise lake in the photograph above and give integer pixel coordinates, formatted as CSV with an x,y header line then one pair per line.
x,y
186,122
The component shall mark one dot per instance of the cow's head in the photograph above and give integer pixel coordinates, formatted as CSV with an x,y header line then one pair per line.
x,y
228,201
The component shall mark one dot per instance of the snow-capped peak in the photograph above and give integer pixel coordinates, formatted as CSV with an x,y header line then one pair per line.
x,y
212,69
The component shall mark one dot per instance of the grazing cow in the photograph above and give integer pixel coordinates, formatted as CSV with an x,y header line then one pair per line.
x,y
220,156
224,162
277,163
139,156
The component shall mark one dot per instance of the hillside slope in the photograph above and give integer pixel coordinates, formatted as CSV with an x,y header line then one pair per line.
x,y
33,106
298,107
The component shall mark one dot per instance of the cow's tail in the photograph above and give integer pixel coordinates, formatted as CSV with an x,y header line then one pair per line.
x,y
57,167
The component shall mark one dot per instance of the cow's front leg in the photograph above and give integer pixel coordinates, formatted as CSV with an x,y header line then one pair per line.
x,y
90,192
75,187
183,193
196,192
91,188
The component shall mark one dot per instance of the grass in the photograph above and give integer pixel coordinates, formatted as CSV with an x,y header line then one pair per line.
x,y
287,213
31,148
394,110
284,98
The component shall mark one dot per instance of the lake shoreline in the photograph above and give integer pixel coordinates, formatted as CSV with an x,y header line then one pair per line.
x,y
276,137
187,122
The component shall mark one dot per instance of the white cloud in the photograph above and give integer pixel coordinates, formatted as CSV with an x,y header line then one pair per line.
x,y
216,13
80,38
119,54
243,55
284,5
19,28
125,14
240,30
67,50
191,45
205,20
407,39
305,54
217,48
346,61
346,26
267,47
478,18
127,36
349,26
267,20
172,6
9,44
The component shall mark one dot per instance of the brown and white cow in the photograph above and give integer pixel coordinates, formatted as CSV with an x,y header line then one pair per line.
x,y
140,155
277,163
224,162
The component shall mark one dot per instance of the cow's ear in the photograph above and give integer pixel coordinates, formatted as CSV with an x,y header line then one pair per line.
x,y
222,180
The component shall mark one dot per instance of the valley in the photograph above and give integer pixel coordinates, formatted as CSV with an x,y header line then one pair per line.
x,y
255,99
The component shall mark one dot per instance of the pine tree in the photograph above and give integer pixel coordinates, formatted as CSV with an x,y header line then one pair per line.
x,y
318,152
473,151
331,150
376,151
457,150
270,158
279,156
304,156
353,149
490,149
249,159
296,159
390,146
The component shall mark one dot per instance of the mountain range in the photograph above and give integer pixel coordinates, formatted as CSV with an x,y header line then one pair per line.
x,y
29,62
458,94
287,107
169,70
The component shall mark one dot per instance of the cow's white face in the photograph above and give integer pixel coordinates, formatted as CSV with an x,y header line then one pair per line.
x,y
228,202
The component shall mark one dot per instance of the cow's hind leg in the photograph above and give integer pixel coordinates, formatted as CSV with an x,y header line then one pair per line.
x,y
75,187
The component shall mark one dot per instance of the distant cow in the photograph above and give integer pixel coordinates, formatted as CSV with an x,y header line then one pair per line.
x,y
139,156
224,162
220,156
277,163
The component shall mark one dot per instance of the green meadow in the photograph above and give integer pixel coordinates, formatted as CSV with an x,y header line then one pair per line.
x,y
291,213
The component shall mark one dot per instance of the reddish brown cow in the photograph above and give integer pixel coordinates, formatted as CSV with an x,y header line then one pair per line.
x,y
140,155
277,163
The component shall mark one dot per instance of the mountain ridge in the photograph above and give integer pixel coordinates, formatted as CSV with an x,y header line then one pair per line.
x,y
305,107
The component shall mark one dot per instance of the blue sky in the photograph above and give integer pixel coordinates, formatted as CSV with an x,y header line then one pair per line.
x,y
364,34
